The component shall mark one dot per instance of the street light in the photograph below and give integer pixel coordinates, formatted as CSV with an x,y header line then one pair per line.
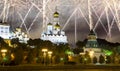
x,y
3,51
44,50
44,55
50,56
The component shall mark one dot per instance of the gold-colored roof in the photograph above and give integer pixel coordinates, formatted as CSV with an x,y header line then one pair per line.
x,y
56,14
57,25
18,29
49,24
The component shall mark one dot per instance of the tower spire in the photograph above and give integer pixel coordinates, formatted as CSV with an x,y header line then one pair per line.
x,y
56,14
56,17
56,8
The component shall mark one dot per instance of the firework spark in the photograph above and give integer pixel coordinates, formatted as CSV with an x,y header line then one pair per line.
x,y
100,15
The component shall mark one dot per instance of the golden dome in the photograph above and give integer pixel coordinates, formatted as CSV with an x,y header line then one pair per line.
x,y
18,29
56,14
57,25
49,24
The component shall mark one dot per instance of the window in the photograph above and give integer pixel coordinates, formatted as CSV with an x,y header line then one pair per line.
x,y
6,31
1,31
1,27
6,28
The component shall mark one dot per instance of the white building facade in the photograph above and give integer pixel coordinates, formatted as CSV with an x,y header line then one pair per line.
x,y
5,31
23,38
53,32
7,34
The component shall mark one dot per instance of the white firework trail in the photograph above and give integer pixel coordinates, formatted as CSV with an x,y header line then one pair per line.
x,y
83,8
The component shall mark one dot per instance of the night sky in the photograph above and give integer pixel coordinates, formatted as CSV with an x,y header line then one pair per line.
x,y
27,14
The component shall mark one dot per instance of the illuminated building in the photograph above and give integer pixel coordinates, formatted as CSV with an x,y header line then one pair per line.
x,y
53,32
23,38
92,46
7,34
92,42
5,30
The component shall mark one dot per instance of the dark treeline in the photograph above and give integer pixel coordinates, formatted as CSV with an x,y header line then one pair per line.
x,y
31,52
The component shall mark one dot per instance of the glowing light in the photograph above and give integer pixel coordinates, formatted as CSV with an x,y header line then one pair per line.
x,y
4,50
44,50
108,52
69,52
91,53
49,52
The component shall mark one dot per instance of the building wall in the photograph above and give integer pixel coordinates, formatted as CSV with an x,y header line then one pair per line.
x,y
5,31
55,38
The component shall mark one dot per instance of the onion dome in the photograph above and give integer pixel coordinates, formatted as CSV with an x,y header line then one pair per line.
x,y
56,14
18,29
57,25
49,24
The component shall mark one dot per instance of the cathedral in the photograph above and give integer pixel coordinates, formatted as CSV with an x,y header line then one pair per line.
x,y
53,31
7,34
23,38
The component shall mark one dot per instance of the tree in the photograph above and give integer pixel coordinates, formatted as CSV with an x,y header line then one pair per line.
x,y
81,44
18,53
14,42
30,42
77,50
101,59
108,59
19,50
47,44
23,46
60,52
81,59
62,48
31,55
94,59
3,43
